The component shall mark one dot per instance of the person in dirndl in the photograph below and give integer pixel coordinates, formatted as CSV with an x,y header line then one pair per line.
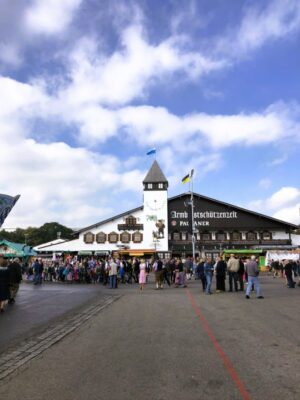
x,y
142,274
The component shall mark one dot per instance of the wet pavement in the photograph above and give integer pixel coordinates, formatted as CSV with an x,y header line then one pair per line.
x,y
41,305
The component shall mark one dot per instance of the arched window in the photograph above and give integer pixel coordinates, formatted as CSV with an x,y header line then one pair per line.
x,y
88,238
101,237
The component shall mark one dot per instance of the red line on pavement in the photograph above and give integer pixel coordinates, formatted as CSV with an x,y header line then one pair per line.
x,y
232,372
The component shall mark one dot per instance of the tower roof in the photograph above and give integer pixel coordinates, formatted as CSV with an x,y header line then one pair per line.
x,y
155,174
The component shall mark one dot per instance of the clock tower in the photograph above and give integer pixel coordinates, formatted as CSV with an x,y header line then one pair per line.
x,y
156,209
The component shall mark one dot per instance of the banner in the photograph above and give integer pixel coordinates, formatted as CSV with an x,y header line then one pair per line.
x,y
6,205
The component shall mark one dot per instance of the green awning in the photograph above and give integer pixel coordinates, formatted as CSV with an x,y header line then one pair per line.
x,y
240,251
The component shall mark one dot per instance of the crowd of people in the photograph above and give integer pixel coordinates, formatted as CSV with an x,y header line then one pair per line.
x,y
176,271
113,272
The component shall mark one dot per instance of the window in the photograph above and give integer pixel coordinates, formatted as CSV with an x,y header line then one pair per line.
x,y
160,186
176,236
206,236
266,236
150,186
88,237
221,236
101,237
125,237
183,236
251,236
130,220
236,236
137,237
113,237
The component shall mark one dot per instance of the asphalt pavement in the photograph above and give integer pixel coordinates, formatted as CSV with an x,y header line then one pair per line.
x,y
173,344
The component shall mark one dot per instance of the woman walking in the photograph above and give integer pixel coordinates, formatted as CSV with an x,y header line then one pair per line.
x,y
209,271
4,284
142,274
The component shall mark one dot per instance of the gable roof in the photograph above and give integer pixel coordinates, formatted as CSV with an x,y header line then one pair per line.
x,y
21,249
155,174
110,219
236,207
290,225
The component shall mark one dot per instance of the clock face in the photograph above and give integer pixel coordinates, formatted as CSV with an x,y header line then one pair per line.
x,y
155,204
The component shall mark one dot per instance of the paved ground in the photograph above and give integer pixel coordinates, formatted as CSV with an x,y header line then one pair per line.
x,y
173,344
41,305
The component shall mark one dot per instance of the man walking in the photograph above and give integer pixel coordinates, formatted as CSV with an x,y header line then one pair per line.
x,y
158,273
209,271
112,272
233,266
252,271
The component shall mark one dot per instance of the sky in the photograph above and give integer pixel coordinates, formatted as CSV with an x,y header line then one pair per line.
x,y
89,86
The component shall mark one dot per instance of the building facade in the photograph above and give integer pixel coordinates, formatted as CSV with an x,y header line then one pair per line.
x,y
163,226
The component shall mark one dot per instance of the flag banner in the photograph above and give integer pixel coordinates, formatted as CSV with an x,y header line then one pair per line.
x,y
6,205
186,179
152,151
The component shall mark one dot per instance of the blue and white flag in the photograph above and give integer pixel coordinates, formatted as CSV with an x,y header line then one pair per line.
x,y
152,151
6,205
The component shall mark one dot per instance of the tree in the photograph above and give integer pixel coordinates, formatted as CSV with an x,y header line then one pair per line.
x,y
35,236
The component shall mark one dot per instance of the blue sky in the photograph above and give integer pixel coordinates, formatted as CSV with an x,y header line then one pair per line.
x,y
88,86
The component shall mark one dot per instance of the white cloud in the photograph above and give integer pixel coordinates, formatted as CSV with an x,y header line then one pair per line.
x,y
51,16
128,73
265,183
283,204
259,25
155,125
283,197
10,54
290,214
58,182
278,161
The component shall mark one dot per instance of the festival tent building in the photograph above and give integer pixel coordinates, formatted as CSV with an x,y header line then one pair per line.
x,y
12,250
163,226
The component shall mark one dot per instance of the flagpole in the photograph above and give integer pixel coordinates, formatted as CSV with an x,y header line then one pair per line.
x,y
193,221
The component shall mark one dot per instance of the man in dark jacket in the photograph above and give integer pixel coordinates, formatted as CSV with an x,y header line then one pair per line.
x,y
241,273
4,283
288,269
221,268
15,278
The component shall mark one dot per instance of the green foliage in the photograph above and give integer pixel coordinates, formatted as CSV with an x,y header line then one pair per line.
x,y
35,236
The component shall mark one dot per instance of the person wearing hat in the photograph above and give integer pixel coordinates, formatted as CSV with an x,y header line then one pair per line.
x,y
4,284
15,278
